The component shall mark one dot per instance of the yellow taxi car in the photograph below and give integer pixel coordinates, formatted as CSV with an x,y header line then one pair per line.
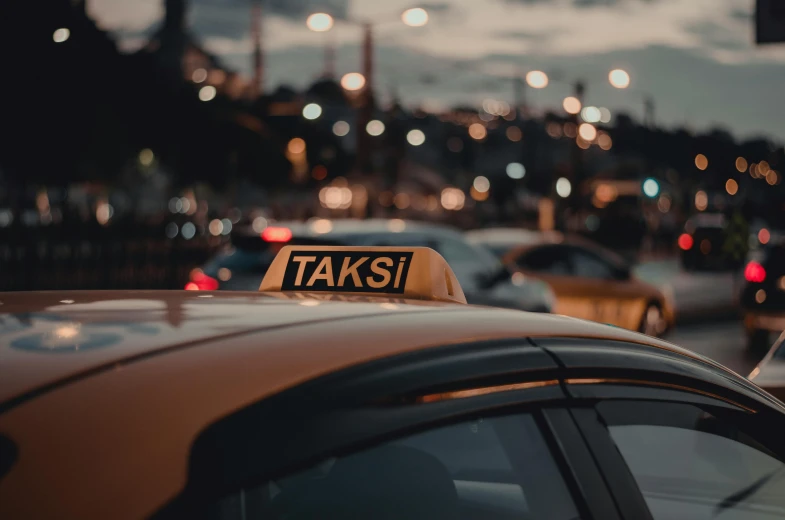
x,y
358,384
589,281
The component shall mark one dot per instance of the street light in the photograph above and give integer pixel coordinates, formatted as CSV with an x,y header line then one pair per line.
x,y
619,78
537,79
353,81
415,17
320,22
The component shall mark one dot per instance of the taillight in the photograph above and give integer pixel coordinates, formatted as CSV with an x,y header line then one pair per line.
x,y
754,272
276,234
201,282
685,241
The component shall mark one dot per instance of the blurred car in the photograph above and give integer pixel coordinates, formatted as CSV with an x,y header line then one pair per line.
x,y
701,243
376,397
769,373
485,280
590,282
762,296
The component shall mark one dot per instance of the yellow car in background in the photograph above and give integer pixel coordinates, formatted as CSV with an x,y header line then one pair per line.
x,y
589,281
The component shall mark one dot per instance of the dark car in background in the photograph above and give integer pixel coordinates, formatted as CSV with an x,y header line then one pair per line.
x,y
484,279
701,242
763,293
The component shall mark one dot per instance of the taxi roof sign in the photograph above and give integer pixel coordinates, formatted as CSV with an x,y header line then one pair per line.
x,y
418,273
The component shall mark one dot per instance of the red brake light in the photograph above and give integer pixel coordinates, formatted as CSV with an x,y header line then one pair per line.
x,y
685,241
277,234
754,272
201,282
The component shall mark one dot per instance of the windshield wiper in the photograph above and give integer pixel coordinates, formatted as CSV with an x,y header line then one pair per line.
x,y
745,493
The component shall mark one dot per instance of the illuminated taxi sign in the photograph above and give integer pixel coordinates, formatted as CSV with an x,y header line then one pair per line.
x,y
413,272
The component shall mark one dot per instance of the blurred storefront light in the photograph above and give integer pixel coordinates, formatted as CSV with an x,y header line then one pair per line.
x,y
588,132
591,114
375,128
199,76
296,146
515,170
481,184
341,128
563,187
452,199
571,105
415,137
701,201
312,111
477,131
207,93
61,35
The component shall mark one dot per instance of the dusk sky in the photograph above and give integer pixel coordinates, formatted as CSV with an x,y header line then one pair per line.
x,y
697,58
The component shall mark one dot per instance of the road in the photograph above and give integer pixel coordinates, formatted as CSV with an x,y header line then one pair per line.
x,y
722,341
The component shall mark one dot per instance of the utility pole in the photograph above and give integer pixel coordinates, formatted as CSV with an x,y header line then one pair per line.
x,y
365,112
576,154
257,14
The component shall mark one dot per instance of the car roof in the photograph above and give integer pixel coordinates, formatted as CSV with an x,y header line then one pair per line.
x,y
349,226
125,363
52,338
520,240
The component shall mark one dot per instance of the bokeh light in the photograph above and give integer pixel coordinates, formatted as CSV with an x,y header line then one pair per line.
x,y
320,22
537,79
296,145
60,35
353,81
481,184
199,76
374,127
605,115
207,93
571,105
701,201
415,137
477,131
415,17
588,132
312,111
452,199
515,170
605,141
591,114
619,78
741,164
341,128
731,186
563,187
651,188
701,162
514,134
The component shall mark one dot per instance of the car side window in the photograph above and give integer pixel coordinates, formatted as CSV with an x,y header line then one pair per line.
x,y
547,260
494,468
692,463
455,251
588,265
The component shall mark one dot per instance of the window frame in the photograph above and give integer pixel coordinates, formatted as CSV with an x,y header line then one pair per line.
x,y
614,468
361,425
